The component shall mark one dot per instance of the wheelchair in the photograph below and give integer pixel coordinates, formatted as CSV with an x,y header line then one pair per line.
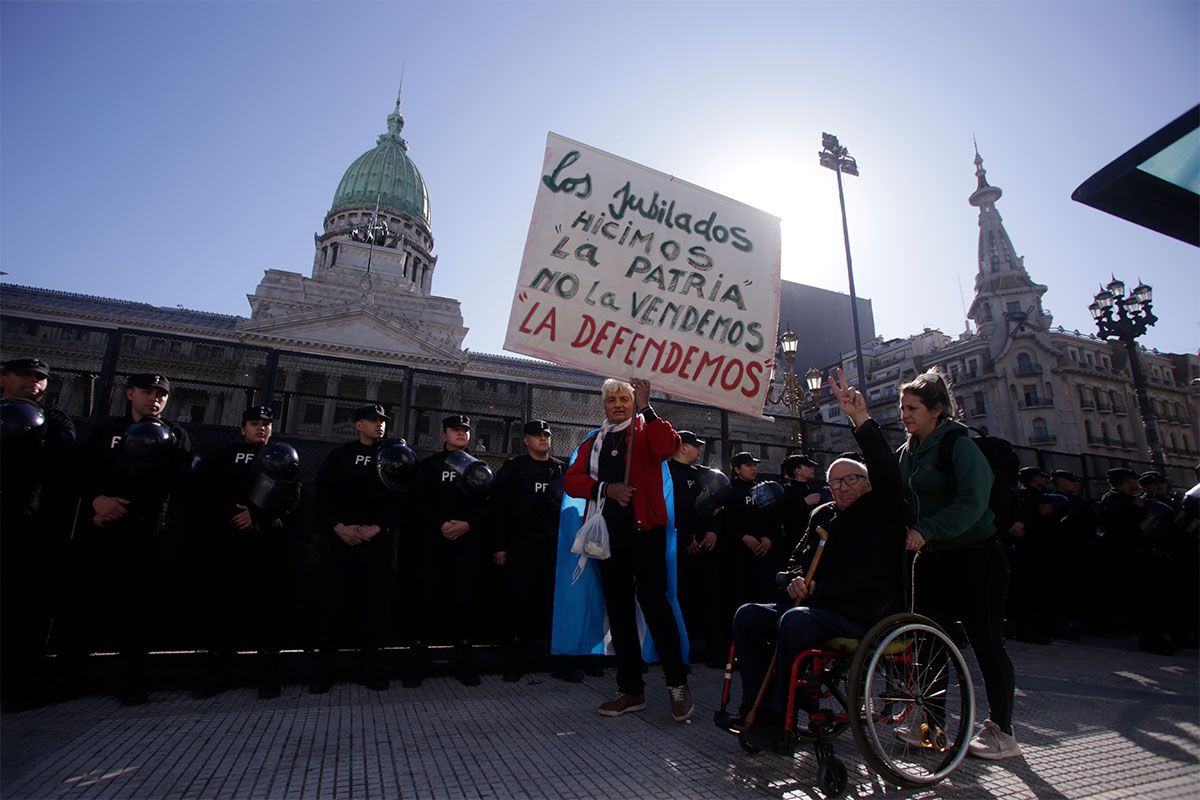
x,y
904,691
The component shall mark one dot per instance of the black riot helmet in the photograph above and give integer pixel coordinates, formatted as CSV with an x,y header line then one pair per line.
x,y
274,477
147,443
476,478
22,422
142,462
766,494
397,466
714,490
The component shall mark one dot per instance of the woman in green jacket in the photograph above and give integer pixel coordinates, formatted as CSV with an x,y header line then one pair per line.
x,y
961,571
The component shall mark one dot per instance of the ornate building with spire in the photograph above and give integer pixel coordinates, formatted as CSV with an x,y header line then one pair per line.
x,y
1019,377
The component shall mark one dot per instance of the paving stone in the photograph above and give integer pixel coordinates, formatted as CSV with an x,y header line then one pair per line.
x,y
1093,720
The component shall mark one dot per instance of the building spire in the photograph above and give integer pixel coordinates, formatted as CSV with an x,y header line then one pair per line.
x,y
1002,278
395,120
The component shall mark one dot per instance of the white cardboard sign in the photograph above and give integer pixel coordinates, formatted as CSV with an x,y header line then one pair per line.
x,y
629,272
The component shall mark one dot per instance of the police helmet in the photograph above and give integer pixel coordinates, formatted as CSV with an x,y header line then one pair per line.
x,y
22,422
397,466
477,478
714,490
148,442
766,494
274,476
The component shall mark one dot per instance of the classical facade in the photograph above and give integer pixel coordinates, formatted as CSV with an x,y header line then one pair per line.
x,y
1021,378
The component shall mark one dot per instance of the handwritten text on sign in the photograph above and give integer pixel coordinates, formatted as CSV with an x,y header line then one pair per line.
x,y
629,272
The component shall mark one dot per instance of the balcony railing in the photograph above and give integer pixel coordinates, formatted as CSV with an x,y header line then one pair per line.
x,y
1043,438
1119,408
1028,369
1103,406
1038,402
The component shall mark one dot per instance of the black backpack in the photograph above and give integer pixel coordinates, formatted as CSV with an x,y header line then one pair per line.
x,y
1004,463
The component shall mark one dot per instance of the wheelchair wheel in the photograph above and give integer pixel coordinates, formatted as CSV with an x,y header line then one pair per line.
x,y
912,705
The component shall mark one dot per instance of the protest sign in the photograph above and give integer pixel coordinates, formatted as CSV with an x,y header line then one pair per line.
x,y
629,272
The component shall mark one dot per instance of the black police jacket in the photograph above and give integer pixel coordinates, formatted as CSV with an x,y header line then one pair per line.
x,y
441,498
223,484
102,474
46,470
349,490
796,510
861,574
741,517
526,502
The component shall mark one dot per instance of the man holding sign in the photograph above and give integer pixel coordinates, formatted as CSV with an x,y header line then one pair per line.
x,y
622,463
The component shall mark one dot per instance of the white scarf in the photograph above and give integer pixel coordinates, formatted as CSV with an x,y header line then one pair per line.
x,y
606,428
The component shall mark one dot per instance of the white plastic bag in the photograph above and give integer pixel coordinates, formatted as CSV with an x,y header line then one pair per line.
x,y
592,540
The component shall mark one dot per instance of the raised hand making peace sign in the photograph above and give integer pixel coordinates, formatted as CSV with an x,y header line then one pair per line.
x,y
853,404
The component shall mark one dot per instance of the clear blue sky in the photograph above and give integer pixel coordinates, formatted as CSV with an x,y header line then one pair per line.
x,y
170,152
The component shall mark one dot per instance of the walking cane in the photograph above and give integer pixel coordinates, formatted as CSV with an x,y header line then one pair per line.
x,y
752,716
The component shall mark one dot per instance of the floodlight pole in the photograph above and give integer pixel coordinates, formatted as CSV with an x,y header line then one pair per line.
x,y
838,159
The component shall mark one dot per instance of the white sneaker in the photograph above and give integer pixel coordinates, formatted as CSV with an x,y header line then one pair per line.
x,y
910,732
993,744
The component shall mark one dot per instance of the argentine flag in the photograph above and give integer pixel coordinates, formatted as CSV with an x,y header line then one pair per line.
x,y
580,623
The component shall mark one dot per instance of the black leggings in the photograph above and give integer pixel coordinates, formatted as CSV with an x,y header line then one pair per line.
x,y
970,584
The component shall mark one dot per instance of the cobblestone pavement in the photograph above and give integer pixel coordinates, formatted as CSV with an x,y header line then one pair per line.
x,y
1094,720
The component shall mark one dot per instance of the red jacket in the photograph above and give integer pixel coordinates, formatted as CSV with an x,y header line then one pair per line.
x,y
653,443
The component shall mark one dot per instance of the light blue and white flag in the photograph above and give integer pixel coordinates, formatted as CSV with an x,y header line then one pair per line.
x,y
580,623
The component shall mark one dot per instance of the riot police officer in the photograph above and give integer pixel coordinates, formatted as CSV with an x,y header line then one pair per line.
x,y
448,527
243,550
749,536
358,516
132,466
525,510
37,494
802,492
697,555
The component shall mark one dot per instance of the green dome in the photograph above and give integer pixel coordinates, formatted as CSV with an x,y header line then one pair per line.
x,y
385,174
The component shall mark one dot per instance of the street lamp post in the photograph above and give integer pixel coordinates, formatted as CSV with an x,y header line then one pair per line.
x,y
788,391
1126,317
838,159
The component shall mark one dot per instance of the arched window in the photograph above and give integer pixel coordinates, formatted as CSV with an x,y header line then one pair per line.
x,y
1040,432
1024,362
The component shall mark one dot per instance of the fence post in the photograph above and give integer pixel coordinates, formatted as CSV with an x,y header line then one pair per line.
x,y
108,368
269,370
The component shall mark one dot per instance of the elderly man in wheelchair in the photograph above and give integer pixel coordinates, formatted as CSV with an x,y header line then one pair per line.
x,y
902,686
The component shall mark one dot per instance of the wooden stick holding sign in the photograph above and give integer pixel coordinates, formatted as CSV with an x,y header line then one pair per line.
x,y
752,716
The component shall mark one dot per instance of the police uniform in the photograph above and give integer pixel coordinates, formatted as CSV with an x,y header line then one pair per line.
x,y
525,510
450,568
748,578
795,509
1032,591
699,573
244,569
356,578
37,500
1084,583
121,555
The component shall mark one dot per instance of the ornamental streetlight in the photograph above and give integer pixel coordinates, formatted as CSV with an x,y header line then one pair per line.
x,y
1126,317
788,391
838,159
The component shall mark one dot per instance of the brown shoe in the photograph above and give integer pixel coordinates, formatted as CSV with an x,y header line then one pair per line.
x,y
622,704
681,702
